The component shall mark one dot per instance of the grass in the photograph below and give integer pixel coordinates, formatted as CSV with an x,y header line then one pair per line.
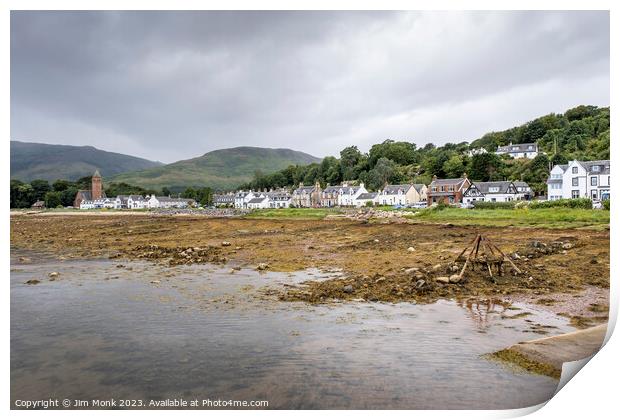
x,y
550,218
293,213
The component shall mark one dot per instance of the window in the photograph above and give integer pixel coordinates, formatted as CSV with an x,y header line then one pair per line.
x,y
575,182
593,181
575,169
596,168
575,193
556,176
493,189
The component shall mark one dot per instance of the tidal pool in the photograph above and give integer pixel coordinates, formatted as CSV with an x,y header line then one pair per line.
x,y
134,330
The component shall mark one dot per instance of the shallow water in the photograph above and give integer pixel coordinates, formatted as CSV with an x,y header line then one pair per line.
x,y
101,331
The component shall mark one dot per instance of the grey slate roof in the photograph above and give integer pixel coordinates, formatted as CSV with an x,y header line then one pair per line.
x,y
393,189
602,164
418,187
368,196
305,189
257,200
518,148
485,186
447,181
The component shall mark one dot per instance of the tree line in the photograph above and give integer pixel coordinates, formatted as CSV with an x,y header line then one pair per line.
x,y
61,193
580,133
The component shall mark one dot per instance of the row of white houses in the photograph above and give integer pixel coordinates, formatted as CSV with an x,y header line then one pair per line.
x,y
136,202
347,195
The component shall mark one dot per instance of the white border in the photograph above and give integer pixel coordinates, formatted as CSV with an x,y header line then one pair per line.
x,y
591,394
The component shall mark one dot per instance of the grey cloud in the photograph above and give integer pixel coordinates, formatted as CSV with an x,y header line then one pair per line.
x,y
172,85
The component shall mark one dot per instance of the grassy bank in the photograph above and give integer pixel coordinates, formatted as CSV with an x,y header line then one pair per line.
x,y
293,213
550,218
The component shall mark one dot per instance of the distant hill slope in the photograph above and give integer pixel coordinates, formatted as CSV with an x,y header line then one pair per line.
x,y
219,169
53,161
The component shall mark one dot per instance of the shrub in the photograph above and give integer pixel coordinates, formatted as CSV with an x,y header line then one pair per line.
x,y
575,203
606,204
484,205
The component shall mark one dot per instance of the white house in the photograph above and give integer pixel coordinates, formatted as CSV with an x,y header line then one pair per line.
x,y
87,205
260,202
242,198
524,192
224,200
168,202
279,199
137,202
580,179
494,191
349,193
363,199
402,194
521,150
476,151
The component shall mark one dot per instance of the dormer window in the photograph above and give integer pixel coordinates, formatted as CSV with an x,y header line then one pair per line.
x,y
493,189
596,168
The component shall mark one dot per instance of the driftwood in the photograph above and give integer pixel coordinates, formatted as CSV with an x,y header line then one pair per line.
x,y
484,253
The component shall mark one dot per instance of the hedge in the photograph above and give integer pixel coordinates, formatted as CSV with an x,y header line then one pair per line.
x,y
575,203
489,205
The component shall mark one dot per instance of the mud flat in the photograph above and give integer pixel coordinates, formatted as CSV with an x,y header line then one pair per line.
x,y
377,262
546,355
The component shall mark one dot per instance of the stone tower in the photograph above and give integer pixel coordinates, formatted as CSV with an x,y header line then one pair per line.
x,y
96,189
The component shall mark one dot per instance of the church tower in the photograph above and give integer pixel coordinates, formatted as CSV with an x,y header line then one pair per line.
x,y
96,189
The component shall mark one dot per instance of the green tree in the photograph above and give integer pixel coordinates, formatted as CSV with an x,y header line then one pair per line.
x,y
485,167
52,199
454,167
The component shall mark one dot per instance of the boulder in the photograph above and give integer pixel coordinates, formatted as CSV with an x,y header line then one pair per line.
x,y
262,266
455,278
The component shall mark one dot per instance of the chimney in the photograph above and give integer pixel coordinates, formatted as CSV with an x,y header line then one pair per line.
x,y
464,175
301,184
434,178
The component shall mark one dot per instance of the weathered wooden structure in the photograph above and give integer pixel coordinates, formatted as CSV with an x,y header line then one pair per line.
x,y
485,254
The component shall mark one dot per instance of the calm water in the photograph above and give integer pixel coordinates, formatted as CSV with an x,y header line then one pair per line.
x,y
102,331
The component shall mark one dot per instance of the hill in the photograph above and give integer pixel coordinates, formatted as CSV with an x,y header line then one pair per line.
x,y
53,161
219,169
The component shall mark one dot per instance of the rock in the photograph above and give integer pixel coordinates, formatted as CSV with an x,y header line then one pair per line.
x,y
567,245
530,278
454,268
443,279
238,248
437,267
262,266
419,284
232,271
376,241
419,275
155,281
24,259
53,275
237,268
347,289
411,249
411,270
33,281
225,243
455,278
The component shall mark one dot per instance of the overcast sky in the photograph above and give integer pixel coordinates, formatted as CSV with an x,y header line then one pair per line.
x,y
175,85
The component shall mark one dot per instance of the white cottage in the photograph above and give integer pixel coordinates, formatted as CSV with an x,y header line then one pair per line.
x,y
494,191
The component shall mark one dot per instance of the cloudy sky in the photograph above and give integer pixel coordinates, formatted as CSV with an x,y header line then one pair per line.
x,y
175,85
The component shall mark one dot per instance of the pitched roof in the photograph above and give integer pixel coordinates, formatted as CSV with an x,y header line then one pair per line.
x,y
96,174
485,187
518,148
393,189
447,181
602,164
368,196
418,187
257,200
306,189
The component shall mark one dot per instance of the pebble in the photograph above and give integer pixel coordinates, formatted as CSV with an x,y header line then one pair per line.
x,y
411,249
226,243
443,279
347,289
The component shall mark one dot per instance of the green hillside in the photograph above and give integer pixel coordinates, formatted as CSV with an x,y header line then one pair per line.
x,y
219,169
53,161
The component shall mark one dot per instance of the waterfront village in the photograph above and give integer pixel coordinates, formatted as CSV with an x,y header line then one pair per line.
x,y
577,179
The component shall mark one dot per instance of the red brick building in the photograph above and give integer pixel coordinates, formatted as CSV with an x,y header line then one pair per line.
x,y
95,193
448,191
